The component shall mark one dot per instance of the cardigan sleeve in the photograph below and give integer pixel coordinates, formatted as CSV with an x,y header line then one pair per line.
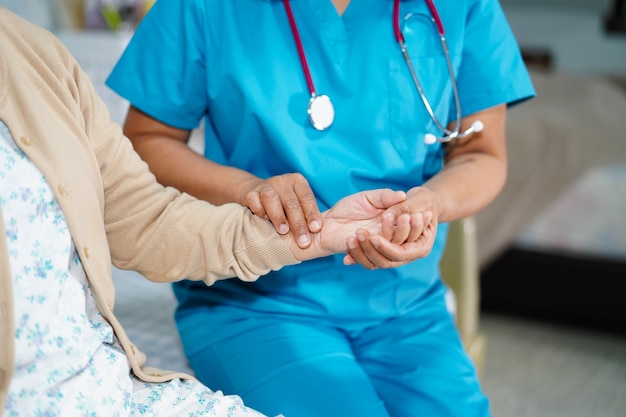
x,y
162,233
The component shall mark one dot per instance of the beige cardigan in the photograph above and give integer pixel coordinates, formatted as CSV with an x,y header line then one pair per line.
x,y
116,212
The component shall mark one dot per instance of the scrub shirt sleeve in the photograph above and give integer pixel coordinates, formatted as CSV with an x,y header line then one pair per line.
x,y
162,70
492,71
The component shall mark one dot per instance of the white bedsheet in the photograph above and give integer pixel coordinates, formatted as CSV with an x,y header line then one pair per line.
x,y
586,219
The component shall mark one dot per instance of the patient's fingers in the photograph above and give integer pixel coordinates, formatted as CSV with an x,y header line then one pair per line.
x,y
356,255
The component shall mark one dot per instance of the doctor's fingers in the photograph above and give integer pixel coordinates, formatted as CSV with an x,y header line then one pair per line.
x,y
406,227
419,200
401,229
289,203
265,202
409,227
388,254
361,250
420,222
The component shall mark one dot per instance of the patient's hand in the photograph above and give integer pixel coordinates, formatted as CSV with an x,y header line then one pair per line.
x,y
362,211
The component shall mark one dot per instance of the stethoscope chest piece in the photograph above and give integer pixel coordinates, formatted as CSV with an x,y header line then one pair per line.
x,y
321,112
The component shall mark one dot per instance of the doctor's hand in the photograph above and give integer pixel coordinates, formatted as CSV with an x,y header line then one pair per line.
x,y
408,233
288,202
360,213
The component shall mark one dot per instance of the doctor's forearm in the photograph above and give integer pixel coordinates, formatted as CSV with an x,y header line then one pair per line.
x,y
475,167
467,185
175,164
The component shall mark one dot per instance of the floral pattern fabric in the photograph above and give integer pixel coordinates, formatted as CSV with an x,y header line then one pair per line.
x,y
67,359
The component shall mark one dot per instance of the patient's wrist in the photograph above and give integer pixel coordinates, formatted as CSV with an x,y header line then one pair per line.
x,y
320,246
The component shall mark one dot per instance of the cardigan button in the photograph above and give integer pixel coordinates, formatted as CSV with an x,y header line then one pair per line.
x,y
86,252
63,189
25,141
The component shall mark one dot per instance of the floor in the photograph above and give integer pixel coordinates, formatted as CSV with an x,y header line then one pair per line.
x,y
540,369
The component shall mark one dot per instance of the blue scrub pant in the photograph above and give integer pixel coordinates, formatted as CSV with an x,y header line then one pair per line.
x,y
406,366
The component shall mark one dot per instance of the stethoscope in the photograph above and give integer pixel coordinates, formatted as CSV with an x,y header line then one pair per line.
x,y
321,111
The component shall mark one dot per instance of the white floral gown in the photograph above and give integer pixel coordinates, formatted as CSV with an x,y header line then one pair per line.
x,y
68,362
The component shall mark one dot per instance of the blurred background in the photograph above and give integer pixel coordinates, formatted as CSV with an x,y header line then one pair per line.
x,y
81,14
551,248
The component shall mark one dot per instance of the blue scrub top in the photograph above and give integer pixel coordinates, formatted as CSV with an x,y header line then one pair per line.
x,y
235,63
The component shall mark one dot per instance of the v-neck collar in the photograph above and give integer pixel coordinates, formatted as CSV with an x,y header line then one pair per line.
x,y
335,30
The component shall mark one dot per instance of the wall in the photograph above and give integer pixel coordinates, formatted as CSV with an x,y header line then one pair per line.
x,y
591,5
41,12
575,36
571,30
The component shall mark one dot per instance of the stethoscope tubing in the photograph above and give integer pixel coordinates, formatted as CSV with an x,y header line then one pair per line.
x,y
448,135
301,54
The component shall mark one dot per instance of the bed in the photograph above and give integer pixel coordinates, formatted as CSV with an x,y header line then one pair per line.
x,y
146,310
553,244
